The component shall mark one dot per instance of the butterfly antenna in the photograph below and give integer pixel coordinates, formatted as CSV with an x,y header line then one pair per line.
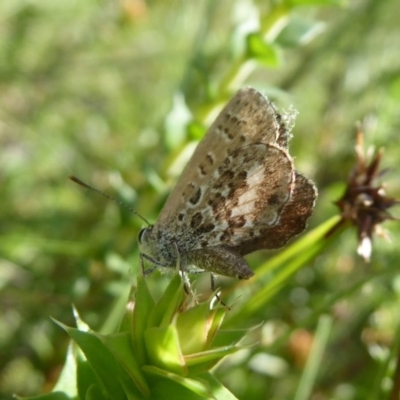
x,y
85,185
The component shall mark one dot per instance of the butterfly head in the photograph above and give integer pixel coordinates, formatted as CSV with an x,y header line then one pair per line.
x,y
148,242
145,235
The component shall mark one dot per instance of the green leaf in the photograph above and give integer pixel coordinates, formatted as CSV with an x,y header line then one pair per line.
x,y
67,381
80,323
95,393
204,361
193,328
209,355
275,20
219,391
260,50
121,347
86,377
229,337
196,130
164,388
218,317
164,350
118,312
299,32
112,378
144,304
165,309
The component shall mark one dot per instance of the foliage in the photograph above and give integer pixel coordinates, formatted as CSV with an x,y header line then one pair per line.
x,y
160,348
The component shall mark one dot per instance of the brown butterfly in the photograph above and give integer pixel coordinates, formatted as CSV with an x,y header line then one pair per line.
x,y
239,193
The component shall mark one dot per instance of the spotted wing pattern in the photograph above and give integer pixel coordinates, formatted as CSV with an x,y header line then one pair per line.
x,y
239,191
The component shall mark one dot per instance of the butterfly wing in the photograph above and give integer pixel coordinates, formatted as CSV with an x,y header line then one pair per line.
x,y
240,189
248,118
292,222
237,202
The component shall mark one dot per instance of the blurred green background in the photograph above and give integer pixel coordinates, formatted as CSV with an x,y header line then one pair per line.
x,y
103,90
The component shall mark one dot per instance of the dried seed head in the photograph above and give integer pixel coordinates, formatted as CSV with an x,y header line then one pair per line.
x,y
364,202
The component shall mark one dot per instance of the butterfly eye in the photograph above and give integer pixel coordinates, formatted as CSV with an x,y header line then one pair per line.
x,y
142,233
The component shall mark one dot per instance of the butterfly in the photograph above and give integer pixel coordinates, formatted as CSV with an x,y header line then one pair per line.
x,y
239,193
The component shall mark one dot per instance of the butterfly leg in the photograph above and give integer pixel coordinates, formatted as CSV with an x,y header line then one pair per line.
x,y
155,263
182,272
214,289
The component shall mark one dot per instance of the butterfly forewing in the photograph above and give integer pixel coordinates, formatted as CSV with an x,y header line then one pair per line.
x,y
247,118
236,203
